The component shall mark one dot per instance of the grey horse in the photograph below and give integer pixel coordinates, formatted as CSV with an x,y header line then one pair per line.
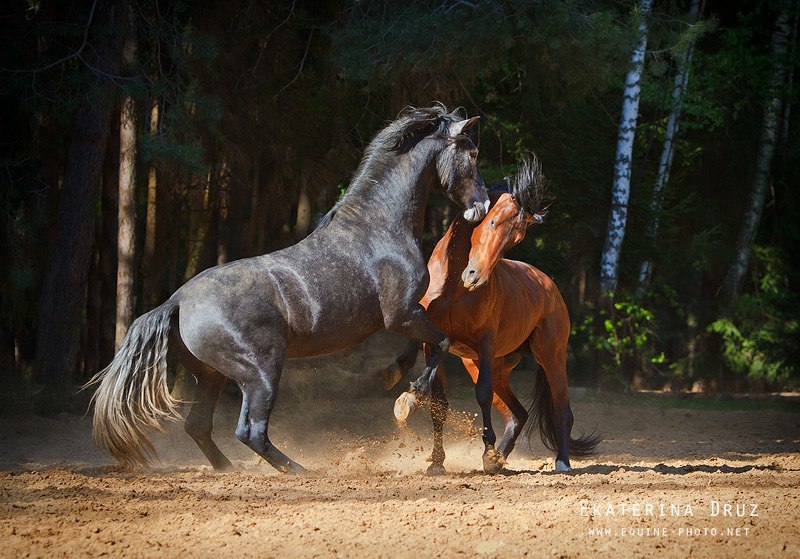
x,y
360,271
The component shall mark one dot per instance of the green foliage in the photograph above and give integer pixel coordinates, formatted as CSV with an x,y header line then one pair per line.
x,y
278,94
761,332
627,333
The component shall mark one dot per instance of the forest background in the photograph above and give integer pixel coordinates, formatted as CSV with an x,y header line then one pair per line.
x,y
142,141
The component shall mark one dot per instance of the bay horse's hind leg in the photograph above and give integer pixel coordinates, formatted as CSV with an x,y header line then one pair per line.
x,y
549,346
259,391
514,413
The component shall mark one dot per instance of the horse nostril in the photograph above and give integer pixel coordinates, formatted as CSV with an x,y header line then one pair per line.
x,y
469,276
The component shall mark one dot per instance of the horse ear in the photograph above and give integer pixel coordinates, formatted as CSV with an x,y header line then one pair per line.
x,y
536,218
462,126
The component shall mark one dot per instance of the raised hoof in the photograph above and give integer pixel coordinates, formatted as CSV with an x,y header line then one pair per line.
x,y
404,406
391,375
562,467
436,470
493,461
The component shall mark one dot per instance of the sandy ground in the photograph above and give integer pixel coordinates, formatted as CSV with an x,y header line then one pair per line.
x,y
668,481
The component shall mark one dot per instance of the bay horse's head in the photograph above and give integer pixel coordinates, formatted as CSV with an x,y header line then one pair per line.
x,y
514,207
456,155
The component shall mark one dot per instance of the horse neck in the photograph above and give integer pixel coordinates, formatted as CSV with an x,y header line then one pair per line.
x,y
398,193
452,253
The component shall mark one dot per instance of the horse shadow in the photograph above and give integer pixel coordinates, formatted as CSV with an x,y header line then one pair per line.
x,y
606,469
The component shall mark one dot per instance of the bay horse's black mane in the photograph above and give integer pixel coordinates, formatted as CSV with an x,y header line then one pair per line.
x,y
411,125
528,186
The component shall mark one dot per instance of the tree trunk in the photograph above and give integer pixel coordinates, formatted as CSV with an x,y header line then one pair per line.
x,y
790,80
107,247
202,225
126,238
679,85
102,289
256,217
303,220
150,292
732,283
609,263
63,296
223,214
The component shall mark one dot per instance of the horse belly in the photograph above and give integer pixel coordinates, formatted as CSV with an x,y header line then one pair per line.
x,y
333,336
486,313
345,313
463,350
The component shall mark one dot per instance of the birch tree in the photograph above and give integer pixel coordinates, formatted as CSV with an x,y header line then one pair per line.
x,y
734,278
679,85
615,232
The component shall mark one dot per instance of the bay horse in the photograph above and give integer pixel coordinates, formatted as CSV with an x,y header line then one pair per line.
x,y
494,310
360,271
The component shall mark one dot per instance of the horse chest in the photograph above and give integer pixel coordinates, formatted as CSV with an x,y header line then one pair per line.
x,y
461,322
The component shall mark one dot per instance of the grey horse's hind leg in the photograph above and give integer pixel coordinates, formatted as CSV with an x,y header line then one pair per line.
x,y
200,421
210,382
258,398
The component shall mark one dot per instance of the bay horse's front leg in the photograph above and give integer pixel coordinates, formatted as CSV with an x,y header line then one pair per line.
x,y
493,460
439,409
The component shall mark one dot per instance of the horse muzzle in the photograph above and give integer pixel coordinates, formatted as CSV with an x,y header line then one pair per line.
x,y
477,212
471,278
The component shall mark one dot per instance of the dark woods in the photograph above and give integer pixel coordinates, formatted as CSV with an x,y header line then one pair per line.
x,y
245,120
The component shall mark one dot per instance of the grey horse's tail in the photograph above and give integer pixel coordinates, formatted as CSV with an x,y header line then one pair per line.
x,y
133,395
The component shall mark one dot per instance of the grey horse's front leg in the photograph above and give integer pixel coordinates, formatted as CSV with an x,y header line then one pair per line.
x,y
415,325
392,374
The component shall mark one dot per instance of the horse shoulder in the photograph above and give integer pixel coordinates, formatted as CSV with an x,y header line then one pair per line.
x,y
550,298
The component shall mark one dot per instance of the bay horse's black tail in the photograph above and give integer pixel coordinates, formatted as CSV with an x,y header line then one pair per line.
x,y
541,419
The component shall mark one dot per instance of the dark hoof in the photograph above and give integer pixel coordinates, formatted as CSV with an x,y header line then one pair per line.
x,y
292,467
493,461
390,376
224,468
436,470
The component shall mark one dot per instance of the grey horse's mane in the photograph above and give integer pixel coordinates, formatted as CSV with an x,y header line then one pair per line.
x,y
411,125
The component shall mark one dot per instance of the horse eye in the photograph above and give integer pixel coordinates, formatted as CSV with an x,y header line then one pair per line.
x,y
491,224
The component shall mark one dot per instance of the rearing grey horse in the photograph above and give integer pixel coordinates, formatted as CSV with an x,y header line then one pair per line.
x,y
360,271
